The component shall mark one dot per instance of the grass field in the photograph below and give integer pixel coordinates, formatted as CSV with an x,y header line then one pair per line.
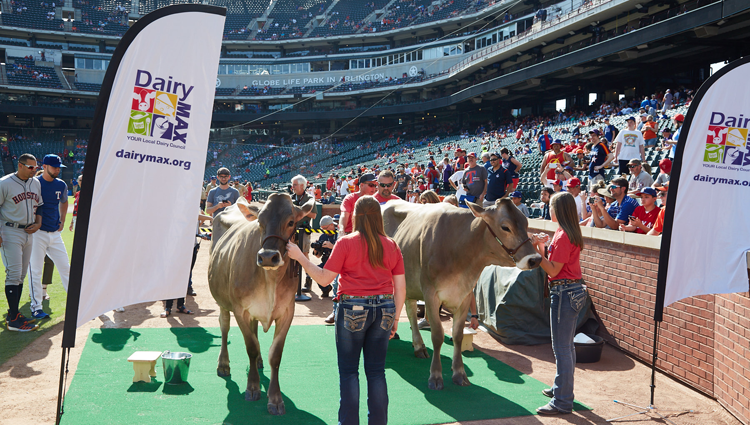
x,y
12,343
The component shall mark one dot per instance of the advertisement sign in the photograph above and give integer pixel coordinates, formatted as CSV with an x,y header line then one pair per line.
x,y
138,208
704,243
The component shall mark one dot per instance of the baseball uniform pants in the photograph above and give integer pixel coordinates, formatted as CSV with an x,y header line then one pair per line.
x,y
16,251
46,244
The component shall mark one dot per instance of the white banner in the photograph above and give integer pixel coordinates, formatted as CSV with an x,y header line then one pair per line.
x,y
711,224
149,172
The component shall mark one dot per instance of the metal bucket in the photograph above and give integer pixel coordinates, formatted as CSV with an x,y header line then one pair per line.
x,y
176,367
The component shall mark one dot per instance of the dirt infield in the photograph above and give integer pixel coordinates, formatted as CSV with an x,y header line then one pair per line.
x,y
29,381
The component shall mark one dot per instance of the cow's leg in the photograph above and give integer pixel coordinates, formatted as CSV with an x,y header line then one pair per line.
x,y
459,317
223,369
432,310
249,330
259,362
420,350
275,401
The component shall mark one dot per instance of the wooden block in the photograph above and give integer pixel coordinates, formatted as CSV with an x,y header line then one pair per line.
x,y
468,341
144,365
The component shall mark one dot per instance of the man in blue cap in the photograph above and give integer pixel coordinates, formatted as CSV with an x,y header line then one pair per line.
x,y
517,198
48,240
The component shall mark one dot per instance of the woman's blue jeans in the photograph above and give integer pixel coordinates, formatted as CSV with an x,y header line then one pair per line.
x,y
566,301
363,326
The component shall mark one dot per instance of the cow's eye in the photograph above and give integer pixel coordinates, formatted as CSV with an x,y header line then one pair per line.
x,y
291,224
505,228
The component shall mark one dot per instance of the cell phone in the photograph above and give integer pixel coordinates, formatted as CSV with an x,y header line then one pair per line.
x,y
631,218
553,166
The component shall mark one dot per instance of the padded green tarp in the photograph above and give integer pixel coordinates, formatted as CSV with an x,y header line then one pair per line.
x,y
511,304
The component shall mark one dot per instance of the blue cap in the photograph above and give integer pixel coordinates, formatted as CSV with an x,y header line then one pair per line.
x,y
630,119
336,217
516,194
648,191
558,141
52,160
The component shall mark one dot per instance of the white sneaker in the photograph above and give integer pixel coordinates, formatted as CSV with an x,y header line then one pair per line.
x,y
423,324
119,309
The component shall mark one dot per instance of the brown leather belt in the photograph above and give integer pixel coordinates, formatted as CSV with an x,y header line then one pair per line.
x,y
564,282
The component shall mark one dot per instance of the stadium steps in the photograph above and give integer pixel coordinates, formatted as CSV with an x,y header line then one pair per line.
x,y
63,80
373,17
327,13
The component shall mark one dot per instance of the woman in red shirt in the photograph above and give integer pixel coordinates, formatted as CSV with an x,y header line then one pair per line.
x,y
567,297
371,292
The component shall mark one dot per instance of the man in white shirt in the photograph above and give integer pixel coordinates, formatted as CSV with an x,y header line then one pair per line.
x,y
630,145
455,181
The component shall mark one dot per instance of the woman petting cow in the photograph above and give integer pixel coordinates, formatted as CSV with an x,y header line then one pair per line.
x,y
567,296
371,291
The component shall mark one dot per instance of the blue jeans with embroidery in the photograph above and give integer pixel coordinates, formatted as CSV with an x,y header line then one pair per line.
x,y
566,301
363,327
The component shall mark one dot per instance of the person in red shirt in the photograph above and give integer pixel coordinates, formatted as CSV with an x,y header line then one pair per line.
x,y
645,215
371,293
432,177
386,181
567,297
367,186
658,228
556,156
249,194
331,183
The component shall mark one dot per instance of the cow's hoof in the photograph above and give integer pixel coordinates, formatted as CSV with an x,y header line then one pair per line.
x,y
223,371
435,383
421,353
276,409
461,379
260,362
252,395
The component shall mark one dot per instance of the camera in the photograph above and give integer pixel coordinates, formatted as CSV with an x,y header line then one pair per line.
x,y
317,246
592,200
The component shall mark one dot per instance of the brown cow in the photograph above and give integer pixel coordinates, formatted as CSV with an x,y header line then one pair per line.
x,y
247,275
445,250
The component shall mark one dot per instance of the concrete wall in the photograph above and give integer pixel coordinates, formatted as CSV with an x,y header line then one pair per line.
x,y
704,341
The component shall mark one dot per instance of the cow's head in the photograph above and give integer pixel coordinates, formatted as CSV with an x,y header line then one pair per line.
x,y
509,226
277,221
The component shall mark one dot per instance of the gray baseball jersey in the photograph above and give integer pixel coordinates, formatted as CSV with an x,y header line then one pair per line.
x,y
19,199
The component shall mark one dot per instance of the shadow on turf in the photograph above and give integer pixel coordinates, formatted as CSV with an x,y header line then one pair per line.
x,y
240,409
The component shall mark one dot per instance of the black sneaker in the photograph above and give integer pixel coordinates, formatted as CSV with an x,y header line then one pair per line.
x,y
548,392
21,325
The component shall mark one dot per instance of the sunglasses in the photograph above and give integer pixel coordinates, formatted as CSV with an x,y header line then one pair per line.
x,y
493,159
613,187
662,195
386,184
30,167
633,165
372,185
223,176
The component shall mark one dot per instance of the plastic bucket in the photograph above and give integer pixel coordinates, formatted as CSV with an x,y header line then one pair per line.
x,y
176,367
589,353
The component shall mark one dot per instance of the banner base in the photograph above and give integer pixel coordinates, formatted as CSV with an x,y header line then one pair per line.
x,y
647,410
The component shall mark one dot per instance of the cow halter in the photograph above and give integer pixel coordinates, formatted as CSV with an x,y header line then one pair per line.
x,y
511,252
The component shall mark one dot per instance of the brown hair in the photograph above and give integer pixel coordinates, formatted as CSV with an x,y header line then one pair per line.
x,y
430,197
563,205
388,174
368,221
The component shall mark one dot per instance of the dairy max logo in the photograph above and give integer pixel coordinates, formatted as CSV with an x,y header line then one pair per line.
x,y
159,108
726,140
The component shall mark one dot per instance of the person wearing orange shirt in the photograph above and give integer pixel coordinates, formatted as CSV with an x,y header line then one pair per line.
x,y
649,132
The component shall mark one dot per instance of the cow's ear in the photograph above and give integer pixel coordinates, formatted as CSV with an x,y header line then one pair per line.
x,y
477,210
301,212
249,211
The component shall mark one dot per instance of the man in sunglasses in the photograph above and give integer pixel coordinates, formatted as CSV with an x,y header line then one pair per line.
x,y
368,185
222,195
639,178
621,209
20,195
386,182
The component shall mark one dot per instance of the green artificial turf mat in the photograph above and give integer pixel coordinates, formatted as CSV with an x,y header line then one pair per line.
x,y
102,391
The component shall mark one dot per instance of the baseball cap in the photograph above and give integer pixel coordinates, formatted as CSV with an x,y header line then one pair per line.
x,y
431,165
336,217
596,131
52,160
557,142
606,118
326,220
679,118
213,177
666,130
574,182
516,194
630,119
471,154
644,115
223,171
580,151
368,177
558,182
648,191
665,165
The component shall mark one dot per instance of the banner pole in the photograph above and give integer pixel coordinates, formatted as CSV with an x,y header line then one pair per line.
x,y
657,324
60,388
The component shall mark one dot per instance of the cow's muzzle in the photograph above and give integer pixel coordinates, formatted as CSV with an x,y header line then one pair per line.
x,y
270,259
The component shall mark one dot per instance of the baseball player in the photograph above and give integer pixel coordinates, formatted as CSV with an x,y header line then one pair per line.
x,y
20,195
48,240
